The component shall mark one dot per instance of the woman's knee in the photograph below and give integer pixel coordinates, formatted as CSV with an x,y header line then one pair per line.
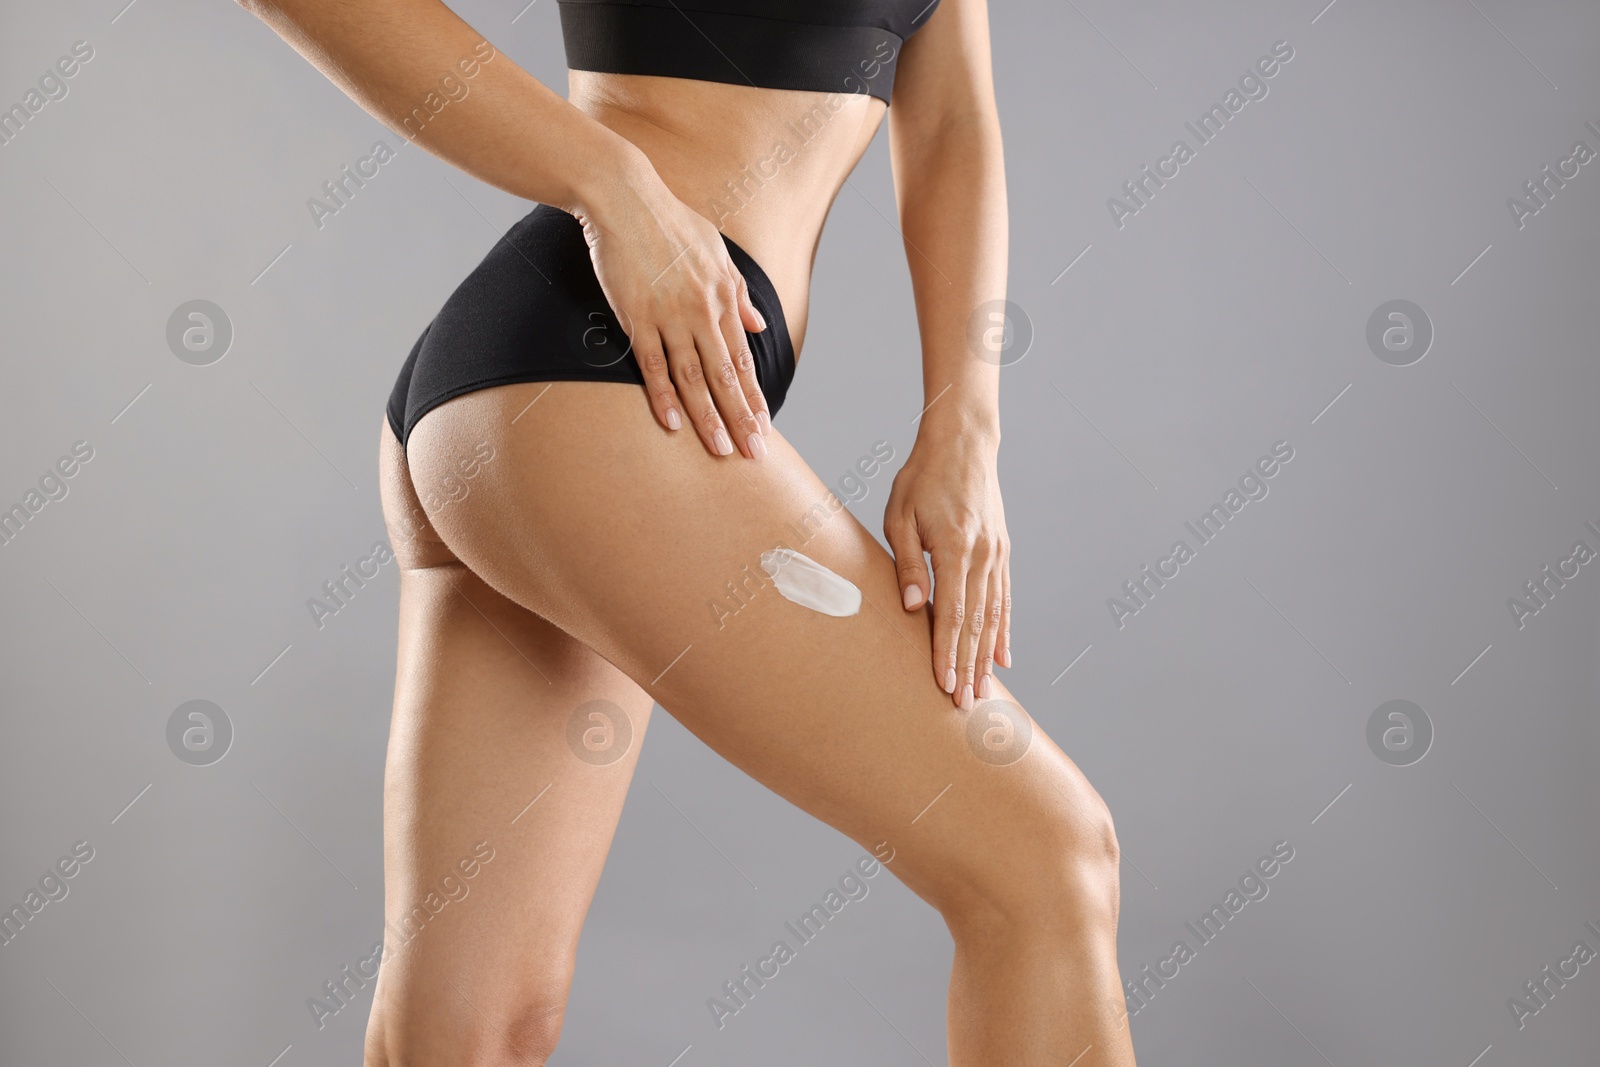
x,y
1058,868
445,1029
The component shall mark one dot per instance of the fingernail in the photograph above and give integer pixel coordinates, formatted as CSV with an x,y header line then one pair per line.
x,y
984,687
720,442
913,596
759,317
1005,657
765,420
966,698
950,680
673,421
758,447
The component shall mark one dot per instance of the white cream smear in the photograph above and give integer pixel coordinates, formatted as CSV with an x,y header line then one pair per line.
x,y
810,584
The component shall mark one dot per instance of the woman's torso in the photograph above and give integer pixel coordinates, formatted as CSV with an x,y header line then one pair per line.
x,y
764,165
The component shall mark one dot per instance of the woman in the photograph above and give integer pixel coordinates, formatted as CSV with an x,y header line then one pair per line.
x,y
593,511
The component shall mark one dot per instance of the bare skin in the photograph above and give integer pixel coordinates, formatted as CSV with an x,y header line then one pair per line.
x,y
580,561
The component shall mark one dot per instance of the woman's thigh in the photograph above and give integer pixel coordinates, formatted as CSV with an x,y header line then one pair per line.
x,y
647,549
510,753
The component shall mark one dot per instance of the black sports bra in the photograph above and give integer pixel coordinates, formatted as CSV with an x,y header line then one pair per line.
x,y
847,46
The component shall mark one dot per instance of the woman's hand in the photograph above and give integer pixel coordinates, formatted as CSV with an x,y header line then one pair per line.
x,y
668,277
946,501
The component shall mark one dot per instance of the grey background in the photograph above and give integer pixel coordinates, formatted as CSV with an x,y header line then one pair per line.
x,y
1227,715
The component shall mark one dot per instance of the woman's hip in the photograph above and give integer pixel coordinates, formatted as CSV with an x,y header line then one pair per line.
x,y
533,310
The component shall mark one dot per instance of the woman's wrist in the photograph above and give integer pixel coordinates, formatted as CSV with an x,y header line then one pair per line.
x,y
606,175
975,426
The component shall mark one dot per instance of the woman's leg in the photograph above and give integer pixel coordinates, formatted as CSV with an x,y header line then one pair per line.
x,y
498,810
646,549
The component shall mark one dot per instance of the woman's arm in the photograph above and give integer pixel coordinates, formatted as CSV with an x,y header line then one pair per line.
x,y
944,142
506,128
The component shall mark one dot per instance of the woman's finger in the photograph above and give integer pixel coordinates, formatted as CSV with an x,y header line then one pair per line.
x,y
949,609
748,314
683,356
906,543
652,359
722,378
991,631
744,364
972,625
1003,655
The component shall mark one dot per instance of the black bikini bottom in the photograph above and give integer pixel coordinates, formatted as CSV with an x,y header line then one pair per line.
x,y
533,311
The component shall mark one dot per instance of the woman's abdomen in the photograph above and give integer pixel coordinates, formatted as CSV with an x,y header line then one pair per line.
x,y
764,165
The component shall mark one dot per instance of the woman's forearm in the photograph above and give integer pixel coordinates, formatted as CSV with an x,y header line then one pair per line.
x,y
433,79
952,196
